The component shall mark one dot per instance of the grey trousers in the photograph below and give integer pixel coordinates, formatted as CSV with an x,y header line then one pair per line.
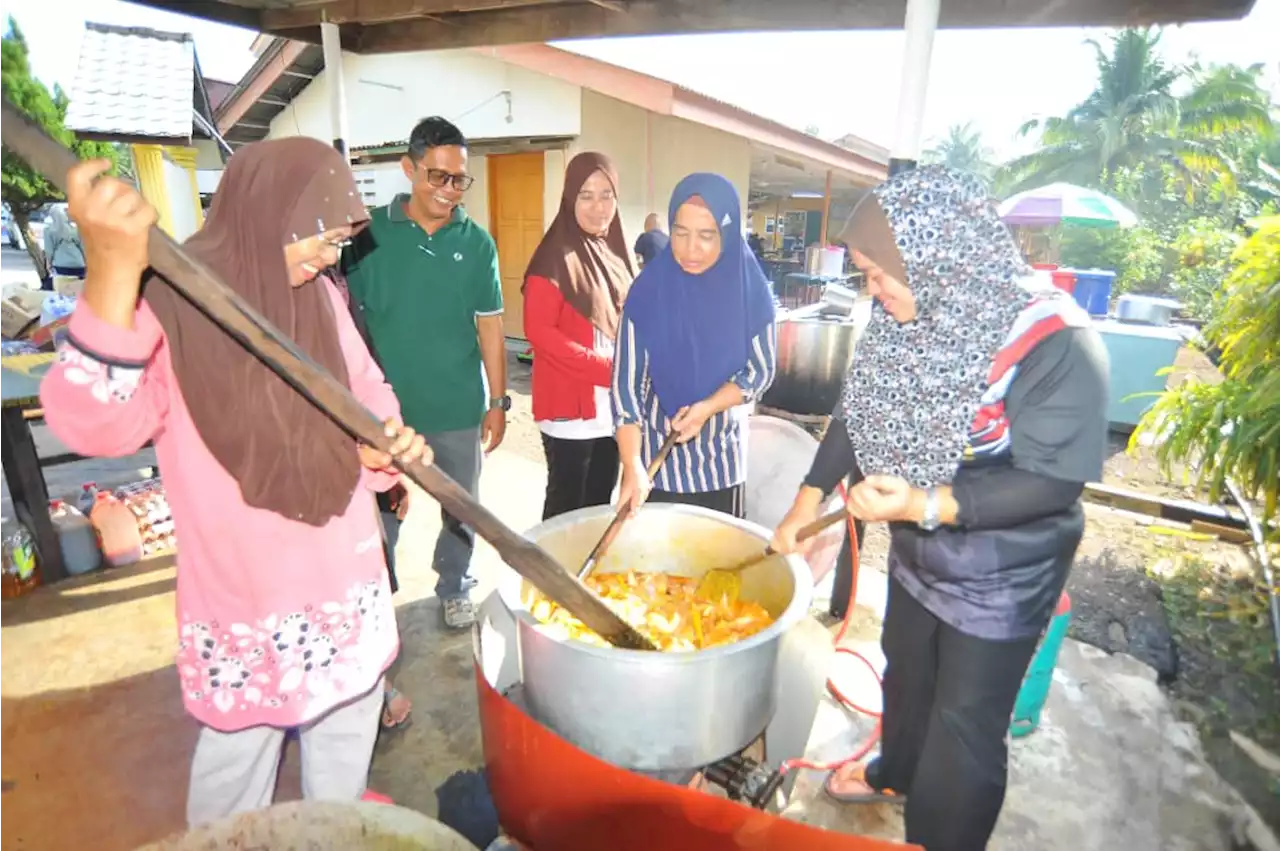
x,y
458,456
236,772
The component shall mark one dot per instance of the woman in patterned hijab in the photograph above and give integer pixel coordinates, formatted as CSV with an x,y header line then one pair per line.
x,y
970,421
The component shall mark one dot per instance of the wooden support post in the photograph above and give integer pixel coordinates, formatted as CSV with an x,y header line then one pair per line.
x,y
826,208
777,225
149,165
27,489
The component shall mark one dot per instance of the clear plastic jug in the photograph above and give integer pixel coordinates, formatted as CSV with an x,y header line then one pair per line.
x,y
76,538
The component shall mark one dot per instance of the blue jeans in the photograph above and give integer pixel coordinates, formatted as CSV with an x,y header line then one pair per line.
x,y
458,457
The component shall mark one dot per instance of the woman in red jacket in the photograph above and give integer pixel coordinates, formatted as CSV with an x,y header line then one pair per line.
x,y
573,292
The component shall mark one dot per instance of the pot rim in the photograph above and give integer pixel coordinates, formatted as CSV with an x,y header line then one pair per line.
x,y
801,599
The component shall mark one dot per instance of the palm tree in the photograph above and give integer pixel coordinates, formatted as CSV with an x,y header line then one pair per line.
x,y
1133,118
962,148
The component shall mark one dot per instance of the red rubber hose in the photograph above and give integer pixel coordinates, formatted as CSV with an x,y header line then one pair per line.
x,y
865,747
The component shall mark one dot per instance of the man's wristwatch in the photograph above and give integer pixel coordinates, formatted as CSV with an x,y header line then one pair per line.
x,y
931,519
502,403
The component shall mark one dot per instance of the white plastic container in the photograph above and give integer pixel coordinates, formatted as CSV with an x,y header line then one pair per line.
x,y
76,538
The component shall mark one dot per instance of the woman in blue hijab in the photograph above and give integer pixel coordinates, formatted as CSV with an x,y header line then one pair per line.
x,y
696,344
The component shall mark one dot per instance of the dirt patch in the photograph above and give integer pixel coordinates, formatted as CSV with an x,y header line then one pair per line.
x,y
523,437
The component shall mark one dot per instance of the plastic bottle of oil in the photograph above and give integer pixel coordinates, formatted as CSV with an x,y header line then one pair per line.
x,y
18,568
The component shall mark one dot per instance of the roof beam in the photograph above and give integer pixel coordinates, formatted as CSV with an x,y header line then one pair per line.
x,y
369,12
234,108
642,17
373,26
211,10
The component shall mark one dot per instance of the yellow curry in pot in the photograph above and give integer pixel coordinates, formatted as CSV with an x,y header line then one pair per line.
x,y
663,607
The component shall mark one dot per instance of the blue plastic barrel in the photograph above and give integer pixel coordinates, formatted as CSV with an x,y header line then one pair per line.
x,y
1093,290
1039,676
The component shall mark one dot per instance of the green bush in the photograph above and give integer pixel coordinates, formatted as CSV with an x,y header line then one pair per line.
x,y
1232,429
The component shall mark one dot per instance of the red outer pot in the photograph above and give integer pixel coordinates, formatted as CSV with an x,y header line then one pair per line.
x,y
551,796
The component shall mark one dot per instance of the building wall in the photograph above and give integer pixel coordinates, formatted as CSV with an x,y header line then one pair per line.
x,y
653,153
208,157
380,183
388,93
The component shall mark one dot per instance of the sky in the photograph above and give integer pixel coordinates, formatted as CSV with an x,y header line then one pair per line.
x,y
839,82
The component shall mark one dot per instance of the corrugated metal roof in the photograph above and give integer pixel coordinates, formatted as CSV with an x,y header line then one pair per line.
x,y
135,82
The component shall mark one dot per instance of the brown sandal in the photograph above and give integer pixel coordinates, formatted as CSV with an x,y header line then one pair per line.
x,y
389,722
873,796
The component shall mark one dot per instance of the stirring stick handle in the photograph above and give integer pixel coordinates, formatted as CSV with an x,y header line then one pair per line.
x,y
615,525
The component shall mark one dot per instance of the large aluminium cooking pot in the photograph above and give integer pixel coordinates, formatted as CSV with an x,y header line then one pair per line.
x,y
651,711
814,353
1149,310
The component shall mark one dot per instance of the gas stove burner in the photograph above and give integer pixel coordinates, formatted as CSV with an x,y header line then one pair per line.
x,y
745,780
739,777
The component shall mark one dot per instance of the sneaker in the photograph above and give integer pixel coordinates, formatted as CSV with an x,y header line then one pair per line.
x,y
458,613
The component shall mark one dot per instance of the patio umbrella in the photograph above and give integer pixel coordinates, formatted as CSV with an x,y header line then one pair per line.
x,y
1063,203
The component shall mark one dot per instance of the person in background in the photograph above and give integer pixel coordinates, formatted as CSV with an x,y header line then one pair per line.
x,y
970,422
62,247
697,344
652,242
284,617
424,284
573,293
397,708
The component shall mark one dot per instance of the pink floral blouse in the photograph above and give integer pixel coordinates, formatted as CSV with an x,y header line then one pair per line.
x,y
278,621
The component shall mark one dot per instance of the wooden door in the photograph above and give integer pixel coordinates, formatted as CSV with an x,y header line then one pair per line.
x,y
515,220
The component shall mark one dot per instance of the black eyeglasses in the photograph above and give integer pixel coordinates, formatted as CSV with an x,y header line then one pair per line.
x,y
438,177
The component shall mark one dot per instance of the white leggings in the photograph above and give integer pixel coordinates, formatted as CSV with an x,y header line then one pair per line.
x,y
236,772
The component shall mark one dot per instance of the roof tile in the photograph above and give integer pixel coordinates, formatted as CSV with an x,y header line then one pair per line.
x,y
133,81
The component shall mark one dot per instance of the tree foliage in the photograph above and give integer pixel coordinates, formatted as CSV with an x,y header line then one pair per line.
x,y
1137,117
962,148
1191,149
22,188
1232,429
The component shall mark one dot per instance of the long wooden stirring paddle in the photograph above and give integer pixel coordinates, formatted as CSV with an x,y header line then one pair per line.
x,y
235,316
615,525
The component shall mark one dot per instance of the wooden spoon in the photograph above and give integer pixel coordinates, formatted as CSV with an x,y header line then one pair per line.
x,y
726,582
615,526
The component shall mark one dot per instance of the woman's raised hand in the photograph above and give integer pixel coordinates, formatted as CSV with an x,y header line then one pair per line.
x,y
802,512
635,486
407,446
113,219
880,499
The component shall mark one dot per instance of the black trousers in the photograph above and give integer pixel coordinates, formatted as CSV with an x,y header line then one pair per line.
x,y
842,588
731,501
948,698
579,473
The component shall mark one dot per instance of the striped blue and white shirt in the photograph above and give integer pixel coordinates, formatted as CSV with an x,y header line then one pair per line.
x,y
716,458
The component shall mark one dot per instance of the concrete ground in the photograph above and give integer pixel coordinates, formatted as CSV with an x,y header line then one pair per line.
x,y
1109,767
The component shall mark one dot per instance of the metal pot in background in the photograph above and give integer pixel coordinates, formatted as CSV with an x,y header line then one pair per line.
x,y
813,260
814,353
1145,309
659,711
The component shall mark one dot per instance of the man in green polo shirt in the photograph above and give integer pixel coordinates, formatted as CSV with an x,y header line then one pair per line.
x,y
424,285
